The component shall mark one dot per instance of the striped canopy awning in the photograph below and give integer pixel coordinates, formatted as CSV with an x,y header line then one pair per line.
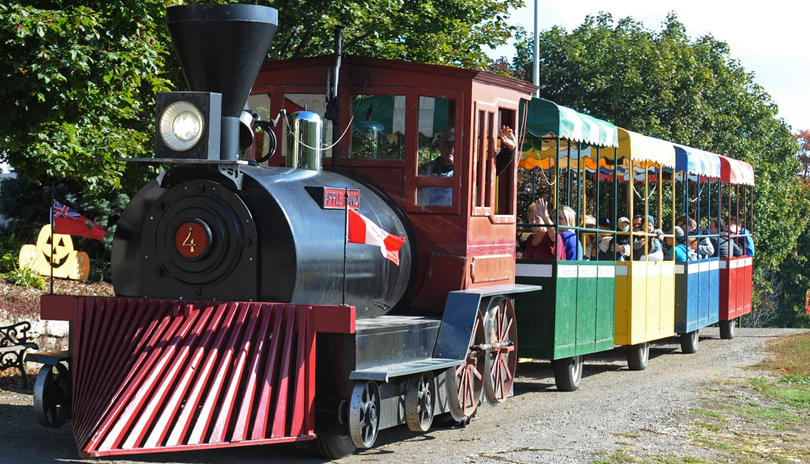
x,y
736,172
637,147
549,127
698,162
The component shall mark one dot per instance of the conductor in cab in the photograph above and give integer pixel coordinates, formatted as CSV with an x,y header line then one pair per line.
x,y
444,164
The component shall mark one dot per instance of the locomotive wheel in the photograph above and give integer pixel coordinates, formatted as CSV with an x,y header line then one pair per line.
x,y
52,395
331,446
689,342
568,373
465,383
637,356
420,398
727,329
364,414
501,360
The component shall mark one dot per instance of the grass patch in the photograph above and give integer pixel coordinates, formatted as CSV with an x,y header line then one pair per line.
x,y
708,413
789,356
615,458
761,420
767,422
619,458
627,434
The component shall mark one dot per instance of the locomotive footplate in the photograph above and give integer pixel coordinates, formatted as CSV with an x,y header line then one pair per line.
x,y
387,372
395,354
385,345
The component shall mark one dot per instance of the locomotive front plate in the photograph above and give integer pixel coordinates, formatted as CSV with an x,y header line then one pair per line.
x,y
191,239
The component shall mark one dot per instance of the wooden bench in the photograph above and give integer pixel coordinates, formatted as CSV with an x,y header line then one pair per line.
x,y
14,342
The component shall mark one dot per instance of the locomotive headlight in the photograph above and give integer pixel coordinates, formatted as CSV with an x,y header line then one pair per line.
x,y
181,125
188,125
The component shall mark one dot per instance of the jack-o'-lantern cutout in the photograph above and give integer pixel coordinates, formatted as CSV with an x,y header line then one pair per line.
x,y
58,254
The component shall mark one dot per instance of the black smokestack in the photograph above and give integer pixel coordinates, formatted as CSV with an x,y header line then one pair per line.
x,y
221,49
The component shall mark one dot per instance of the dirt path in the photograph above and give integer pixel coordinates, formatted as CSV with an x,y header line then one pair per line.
x,y
538,425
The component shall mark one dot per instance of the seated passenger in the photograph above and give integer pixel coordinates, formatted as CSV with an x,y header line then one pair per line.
x,y
623,240
573,249
705,247
588,238
607,249
723,246
542,243
745,240
441,167
520,239
655,251
680,249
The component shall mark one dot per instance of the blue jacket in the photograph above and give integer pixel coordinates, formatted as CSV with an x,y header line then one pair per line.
x,y
573,249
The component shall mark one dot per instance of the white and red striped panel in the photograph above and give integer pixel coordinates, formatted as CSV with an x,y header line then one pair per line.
x,y
158,375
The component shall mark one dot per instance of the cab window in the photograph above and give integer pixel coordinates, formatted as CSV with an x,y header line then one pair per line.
x,y
378,127
437,150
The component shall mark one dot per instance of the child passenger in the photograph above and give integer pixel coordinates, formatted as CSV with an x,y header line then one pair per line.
x,y
573,248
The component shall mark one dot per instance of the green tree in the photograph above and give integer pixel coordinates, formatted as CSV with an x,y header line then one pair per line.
x,y
803,137
665,85
793,284
449,32
79,79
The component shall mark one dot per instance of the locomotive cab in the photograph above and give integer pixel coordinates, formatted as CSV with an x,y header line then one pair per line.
x,y
398,115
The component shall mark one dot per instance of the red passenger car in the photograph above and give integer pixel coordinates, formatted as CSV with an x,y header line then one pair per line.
x,y
737,205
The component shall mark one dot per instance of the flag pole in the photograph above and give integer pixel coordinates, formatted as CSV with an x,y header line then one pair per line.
x,y
345,239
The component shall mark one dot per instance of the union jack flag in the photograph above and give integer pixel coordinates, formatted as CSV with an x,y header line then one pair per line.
x,y
65,220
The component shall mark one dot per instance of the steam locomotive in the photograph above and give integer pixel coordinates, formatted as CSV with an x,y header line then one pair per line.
x,y
243,316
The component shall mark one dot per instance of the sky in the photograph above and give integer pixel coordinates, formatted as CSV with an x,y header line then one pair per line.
x,y
771,39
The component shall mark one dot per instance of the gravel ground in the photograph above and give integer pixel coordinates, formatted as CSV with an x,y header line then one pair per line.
x,y
651,409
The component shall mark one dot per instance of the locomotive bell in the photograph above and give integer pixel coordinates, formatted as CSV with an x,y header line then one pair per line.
x,y
304,140
221,49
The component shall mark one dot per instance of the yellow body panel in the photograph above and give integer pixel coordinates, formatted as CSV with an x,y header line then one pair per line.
x,y
645,301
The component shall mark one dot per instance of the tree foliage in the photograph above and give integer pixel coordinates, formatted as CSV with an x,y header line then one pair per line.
x,y
449,32
79,79
803,137
666,85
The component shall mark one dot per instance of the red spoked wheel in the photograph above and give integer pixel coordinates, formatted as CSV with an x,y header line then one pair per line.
x,y
501,360
465,383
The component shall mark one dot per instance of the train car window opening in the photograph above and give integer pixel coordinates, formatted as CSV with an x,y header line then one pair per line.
x,y
697,203
294,102
506,194
378,127
483,160
437,151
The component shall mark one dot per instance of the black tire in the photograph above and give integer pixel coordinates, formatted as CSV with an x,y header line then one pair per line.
x,y
330,446
727,329
53,395
689,342
638,356
568,373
